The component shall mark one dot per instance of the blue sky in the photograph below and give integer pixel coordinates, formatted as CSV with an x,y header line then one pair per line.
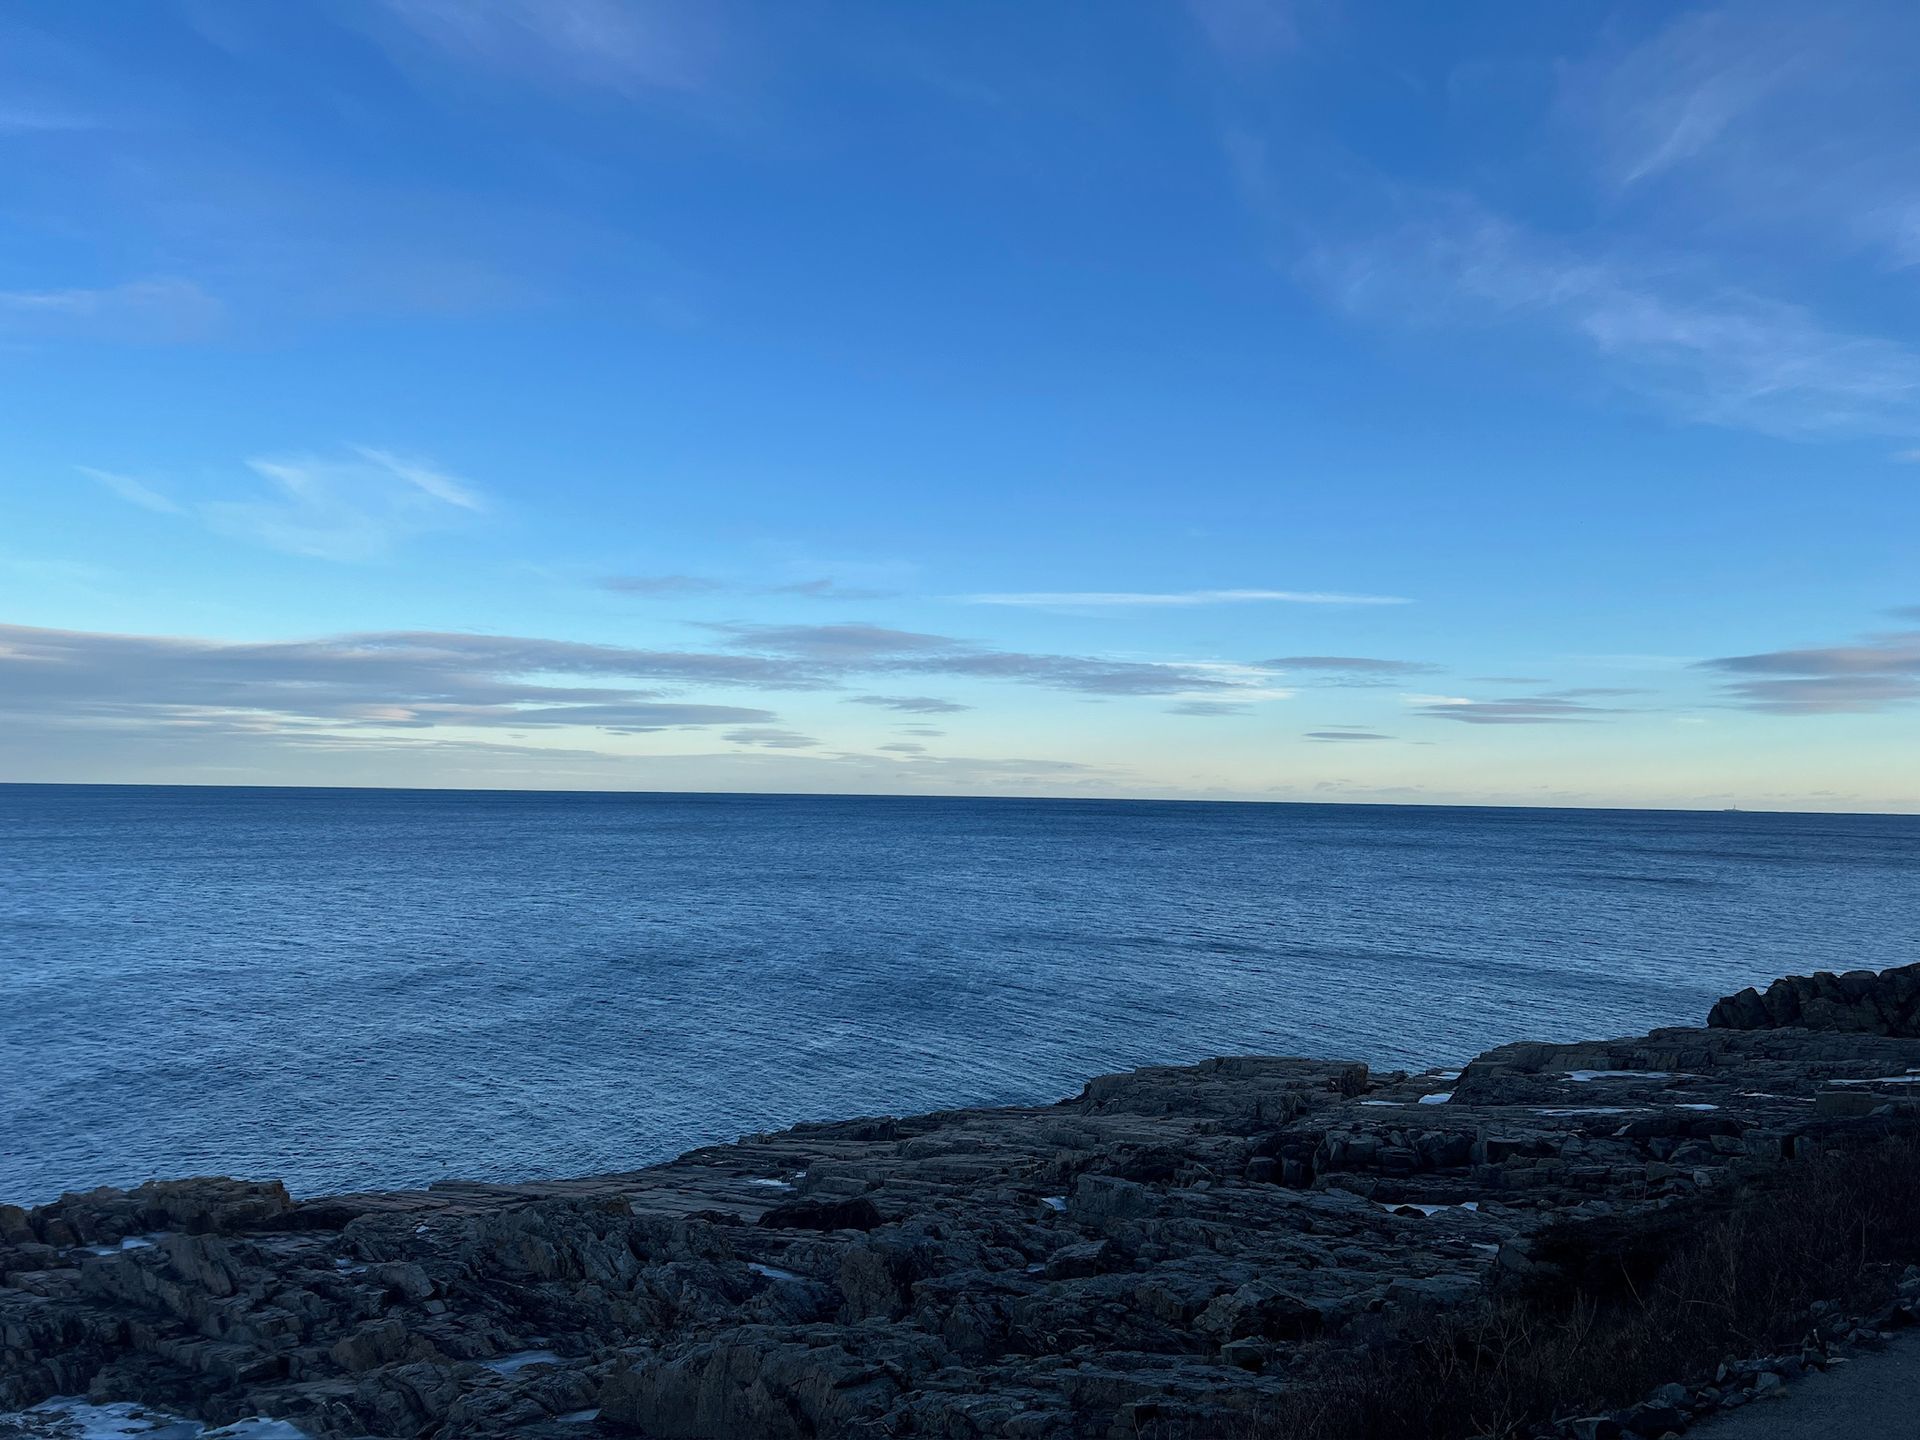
x,y
1239,398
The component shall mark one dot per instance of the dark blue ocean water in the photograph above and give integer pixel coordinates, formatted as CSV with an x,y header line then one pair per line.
x,y
369,988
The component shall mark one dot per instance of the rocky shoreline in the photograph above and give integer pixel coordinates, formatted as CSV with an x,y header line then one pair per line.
x,y
1166,1249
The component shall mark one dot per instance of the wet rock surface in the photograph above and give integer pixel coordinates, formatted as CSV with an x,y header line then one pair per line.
x,y
1163,1247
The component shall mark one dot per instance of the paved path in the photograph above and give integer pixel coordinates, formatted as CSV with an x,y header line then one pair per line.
x,y
1874,1396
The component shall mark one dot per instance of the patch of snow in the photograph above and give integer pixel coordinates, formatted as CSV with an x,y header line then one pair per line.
x,y
1439,1097
771,1184
773,1272
1587,1110
130,1242
1054,1202
1390,1104
1428,1210
69,1417
421,1228
520,1360
1698,1105
1582,1077
347,1267
1909,1078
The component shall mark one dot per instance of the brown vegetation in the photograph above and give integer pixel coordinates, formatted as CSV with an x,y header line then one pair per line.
x,y
1623,1315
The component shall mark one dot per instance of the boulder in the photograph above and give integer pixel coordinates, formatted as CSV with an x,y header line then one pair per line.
x,y
1859,1002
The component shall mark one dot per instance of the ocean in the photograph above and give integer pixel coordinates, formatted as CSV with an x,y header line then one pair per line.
x,y
357,989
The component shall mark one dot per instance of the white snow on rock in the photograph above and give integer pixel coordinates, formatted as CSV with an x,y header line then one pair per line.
x,y
131,1242
69,1417
520,1360
1428,1210
1910,1078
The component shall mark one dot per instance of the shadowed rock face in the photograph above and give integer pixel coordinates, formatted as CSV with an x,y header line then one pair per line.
x,y
1858,1002
1163,1246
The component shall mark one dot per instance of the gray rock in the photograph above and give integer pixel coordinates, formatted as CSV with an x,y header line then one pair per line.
x,y
1046,1271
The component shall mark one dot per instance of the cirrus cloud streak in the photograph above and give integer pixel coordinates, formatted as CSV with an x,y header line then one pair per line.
x,y
1877,673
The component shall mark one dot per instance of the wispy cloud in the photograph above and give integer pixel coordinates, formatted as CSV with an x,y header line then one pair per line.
x,y
352,510
1208,709
1248,33
156,312
825,588
629,46
661,584
1353,664
1561,707
1673,98
1710,351
1350,670
134,492
911,704
1101,599
403,680
423,477
1345,733
828,589
386,680
433,708
1765,118
770,738
1879,672
856,643
876,649
1706,169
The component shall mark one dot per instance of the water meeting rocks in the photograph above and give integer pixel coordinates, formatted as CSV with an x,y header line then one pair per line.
x,y
1168,1245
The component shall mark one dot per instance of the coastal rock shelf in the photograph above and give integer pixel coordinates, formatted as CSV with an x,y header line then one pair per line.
x,y
1161,1247
1859,1001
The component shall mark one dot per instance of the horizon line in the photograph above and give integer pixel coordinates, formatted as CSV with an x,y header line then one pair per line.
x,y
889,795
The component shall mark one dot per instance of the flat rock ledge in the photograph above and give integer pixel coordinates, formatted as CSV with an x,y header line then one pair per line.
x,y
1162,1247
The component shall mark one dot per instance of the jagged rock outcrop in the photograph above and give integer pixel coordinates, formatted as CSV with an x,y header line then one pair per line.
x,y
1165,1246
1858,1002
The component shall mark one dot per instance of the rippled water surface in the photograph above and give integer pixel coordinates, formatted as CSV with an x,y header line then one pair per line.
x,y
370,988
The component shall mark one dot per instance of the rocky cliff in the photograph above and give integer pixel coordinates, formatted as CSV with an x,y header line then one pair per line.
x,y
1162,1247
1859,1002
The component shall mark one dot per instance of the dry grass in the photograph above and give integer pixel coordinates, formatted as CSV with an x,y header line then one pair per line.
x,y
1631,1310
